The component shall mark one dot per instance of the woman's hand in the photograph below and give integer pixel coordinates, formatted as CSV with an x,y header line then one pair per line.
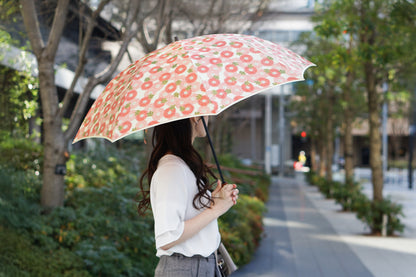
x,y
224,197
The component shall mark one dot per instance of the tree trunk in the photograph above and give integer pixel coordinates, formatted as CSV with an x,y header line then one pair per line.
x,y
375,138
348,147
52,193
348,138
329,138
314,166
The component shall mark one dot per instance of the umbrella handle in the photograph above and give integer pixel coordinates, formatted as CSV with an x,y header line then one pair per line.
x,y
213,150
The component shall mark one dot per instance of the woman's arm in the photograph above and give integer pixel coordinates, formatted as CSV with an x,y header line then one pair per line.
x,y
224,198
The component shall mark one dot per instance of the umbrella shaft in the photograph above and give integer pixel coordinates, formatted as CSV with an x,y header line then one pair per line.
x,y
213,150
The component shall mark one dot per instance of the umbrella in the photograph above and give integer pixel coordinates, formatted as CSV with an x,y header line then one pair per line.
x,y
192,77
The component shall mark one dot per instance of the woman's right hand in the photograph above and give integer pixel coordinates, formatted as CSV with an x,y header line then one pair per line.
x,y
224,197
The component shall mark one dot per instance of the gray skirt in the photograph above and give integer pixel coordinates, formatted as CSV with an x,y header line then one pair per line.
x,y
179,265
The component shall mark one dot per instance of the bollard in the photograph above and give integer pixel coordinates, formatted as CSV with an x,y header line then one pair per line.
x,y
384,226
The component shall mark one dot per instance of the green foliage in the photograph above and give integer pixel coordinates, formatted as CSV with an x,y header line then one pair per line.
x,y
352,199
21,154
19,257
98,232
371,212
241,228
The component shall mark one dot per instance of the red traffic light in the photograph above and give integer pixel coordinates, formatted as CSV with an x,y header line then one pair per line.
x,y
303,134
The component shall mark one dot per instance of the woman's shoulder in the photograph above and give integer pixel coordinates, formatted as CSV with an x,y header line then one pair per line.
x,y
170,161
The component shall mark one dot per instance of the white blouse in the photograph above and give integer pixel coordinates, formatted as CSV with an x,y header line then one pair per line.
x,y
172,191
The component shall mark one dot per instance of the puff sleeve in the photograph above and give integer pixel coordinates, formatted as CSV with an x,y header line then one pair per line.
x,y
169,195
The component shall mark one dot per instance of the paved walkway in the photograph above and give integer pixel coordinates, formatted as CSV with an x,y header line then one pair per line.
x,y
306,235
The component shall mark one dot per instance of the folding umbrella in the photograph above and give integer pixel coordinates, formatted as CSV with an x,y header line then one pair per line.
x,y
192,77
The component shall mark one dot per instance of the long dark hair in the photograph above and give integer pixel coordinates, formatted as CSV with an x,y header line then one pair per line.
x,y
175,138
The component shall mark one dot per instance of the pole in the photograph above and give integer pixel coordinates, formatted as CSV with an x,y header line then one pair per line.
x,y
384,131
282,132
268,133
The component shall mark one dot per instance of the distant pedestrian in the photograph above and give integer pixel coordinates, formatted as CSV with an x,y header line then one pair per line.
x,y
185,210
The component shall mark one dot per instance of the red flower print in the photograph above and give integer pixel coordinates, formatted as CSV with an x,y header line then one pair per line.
x,y
114,105
208,39
95,129
107,108
102,127
144,101
250,69
169,112
203,100
227,54
230,81
231,68
96,116
131,95
180,69
147,85
221,94
246,58
220,43
170,88
138,76
196,57
164,77
98,103
237,98
292,79
204,49
141,115
274,72
214,81
125,111
190,78
215,108
202,87
155,69
202,68
109,86
236,44
112,117
267,61
87,121
160,102
187,109
215,61
263,82
186,92
171,60
247,87
125,127
109,96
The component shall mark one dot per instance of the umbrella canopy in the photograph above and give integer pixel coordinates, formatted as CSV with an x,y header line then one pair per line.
x,y
192,77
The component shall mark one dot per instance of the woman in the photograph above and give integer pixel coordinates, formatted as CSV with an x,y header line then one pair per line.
x,y
185,210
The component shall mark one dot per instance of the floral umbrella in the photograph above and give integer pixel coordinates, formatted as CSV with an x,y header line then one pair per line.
x,y
192,77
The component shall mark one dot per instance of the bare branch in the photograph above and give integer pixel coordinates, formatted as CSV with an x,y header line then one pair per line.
x,y
82,59
83,99
57,28
32,26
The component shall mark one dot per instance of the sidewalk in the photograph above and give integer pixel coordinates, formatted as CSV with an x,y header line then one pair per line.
x,y
306,235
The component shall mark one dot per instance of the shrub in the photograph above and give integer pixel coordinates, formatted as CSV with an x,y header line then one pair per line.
x,y
241,228
347,195
21,154
371,213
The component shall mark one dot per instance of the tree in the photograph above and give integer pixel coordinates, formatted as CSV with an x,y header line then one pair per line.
x,y
149,22
55,139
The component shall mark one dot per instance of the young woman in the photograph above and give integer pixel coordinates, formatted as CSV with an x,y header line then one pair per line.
x,y
185,210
